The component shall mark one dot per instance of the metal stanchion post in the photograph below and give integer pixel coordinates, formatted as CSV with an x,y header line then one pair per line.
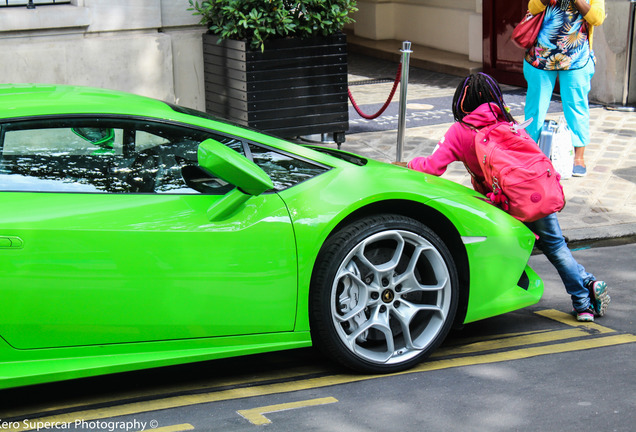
x,y
628,63
404,82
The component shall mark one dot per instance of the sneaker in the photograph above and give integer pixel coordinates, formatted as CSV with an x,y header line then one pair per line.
x,y
579,171
599,296
585,316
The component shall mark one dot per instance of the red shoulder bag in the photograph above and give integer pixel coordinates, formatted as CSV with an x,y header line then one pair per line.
x,y
526,32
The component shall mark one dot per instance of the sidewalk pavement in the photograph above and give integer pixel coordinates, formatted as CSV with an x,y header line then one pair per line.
x,y
600,206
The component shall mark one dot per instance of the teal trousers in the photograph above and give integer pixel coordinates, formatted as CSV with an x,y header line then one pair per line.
x,y
574,86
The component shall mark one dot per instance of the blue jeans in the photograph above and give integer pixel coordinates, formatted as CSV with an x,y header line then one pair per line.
x,y
573,275
575,87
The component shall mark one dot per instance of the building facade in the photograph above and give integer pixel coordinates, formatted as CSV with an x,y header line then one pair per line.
x,y
148,47
153,47
456,26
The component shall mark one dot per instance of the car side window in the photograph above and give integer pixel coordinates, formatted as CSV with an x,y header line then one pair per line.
x,y
127,156
59,159
284,170
67,140
106,156
168,159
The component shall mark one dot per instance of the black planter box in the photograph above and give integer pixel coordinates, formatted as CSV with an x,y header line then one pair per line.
x,y
295,87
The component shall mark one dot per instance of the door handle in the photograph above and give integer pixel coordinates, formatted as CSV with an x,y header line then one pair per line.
x,y
11,242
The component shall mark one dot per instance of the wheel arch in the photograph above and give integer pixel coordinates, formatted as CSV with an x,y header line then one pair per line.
x,y
437,222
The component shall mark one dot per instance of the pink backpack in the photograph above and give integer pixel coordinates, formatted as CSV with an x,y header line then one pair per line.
x,y
522,179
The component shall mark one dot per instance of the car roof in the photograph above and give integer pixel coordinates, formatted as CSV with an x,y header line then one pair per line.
x,y
21,100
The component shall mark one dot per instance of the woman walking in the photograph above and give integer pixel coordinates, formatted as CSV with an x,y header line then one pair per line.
x,y
564,50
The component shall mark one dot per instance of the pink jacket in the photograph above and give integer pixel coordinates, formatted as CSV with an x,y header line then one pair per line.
x,y
458,145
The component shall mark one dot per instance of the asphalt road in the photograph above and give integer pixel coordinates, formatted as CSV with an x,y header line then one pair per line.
x,y
532,370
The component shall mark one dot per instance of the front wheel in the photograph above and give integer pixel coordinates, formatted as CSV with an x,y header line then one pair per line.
x,y
384,294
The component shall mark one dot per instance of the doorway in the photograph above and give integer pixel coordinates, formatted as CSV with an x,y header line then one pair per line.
x,y
503,59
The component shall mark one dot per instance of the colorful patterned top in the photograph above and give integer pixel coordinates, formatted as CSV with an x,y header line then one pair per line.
x,y
564,39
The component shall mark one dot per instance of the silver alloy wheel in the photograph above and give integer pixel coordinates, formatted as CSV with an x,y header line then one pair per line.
x,y
391,297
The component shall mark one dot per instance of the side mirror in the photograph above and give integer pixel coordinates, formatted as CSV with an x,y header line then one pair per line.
x,y
101,137
233,168
225,163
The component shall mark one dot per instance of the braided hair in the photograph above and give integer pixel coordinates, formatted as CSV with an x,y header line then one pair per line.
x,y
475,90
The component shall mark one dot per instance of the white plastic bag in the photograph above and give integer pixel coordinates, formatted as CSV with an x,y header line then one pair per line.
x,y
562,152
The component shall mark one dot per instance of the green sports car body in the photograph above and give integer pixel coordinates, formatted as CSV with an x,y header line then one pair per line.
x,y
137,234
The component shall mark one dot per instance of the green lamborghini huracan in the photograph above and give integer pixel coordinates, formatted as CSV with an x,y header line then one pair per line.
x,y
137,234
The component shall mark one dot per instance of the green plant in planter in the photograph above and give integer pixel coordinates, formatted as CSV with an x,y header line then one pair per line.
x,y
256,21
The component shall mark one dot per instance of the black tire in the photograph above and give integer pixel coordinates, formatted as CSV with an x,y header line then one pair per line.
x,y
384,294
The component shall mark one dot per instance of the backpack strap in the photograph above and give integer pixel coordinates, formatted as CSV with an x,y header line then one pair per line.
x,y
524,124
514,127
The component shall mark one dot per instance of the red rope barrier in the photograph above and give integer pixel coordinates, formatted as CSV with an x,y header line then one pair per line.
x,y
386,104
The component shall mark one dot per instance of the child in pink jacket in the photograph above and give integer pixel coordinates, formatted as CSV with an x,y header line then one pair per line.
x,y
458,143
478,102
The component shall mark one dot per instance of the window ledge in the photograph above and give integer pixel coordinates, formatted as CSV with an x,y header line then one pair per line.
x,y
44,17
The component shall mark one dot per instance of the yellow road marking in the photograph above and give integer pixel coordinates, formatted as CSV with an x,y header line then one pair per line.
x,y
525,353
255,415
568,319
472,345
268,389
181,401
292,373
512,341
463,346
174,428
464,341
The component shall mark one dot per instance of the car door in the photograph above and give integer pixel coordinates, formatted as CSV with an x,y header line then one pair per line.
x,y
103,241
